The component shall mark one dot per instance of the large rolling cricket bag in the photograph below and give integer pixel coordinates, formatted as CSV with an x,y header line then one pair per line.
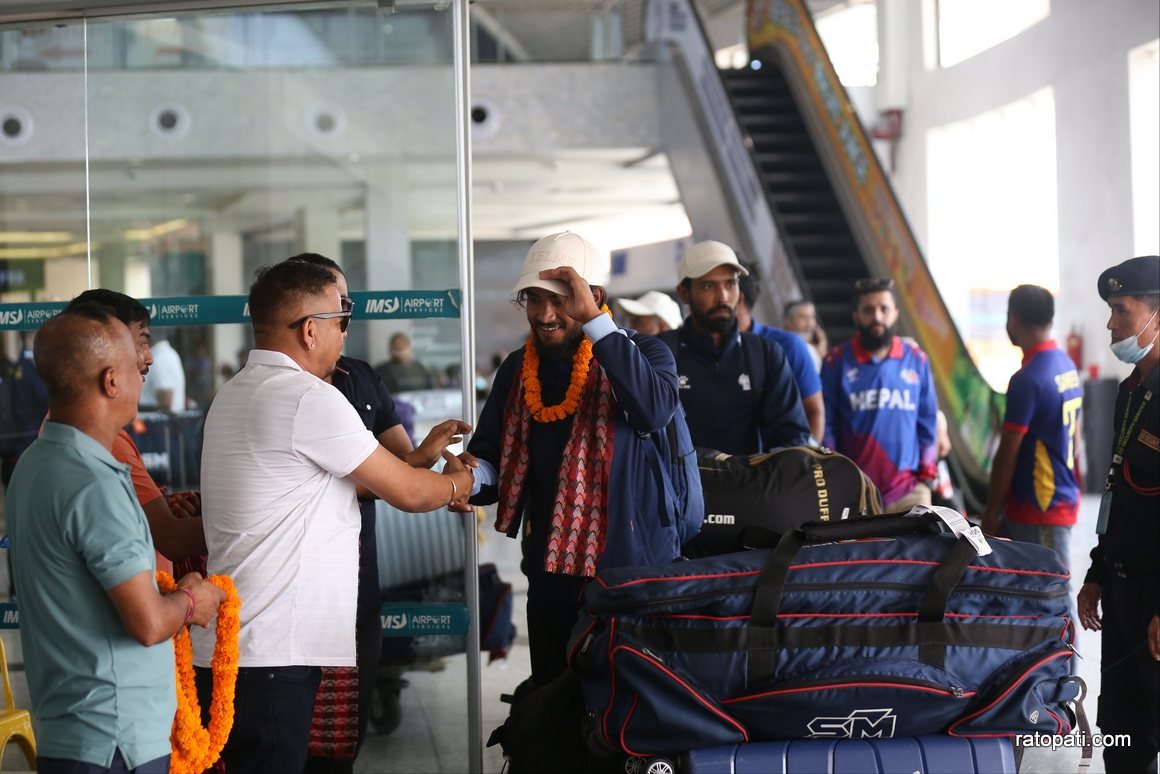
x,y
750,497
877,626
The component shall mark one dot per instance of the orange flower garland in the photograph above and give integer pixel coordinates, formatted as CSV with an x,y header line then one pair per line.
x,y
530,373
531,377
196,748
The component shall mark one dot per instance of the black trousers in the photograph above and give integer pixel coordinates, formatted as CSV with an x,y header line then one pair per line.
x,y
554,603
272,711
1130,684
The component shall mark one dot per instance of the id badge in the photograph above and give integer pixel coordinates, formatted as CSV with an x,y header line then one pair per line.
x,y
1105,509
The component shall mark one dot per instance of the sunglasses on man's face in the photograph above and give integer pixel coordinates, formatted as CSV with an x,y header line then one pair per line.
x,y
346,313
874,284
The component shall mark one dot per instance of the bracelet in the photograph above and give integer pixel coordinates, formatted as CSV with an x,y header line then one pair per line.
x,y
192,605
454,490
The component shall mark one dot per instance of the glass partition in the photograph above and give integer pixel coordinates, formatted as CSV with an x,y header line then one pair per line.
x,y
169,157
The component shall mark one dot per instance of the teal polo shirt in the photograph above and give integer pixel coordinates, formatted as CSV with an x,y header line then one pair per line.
x,y
77,530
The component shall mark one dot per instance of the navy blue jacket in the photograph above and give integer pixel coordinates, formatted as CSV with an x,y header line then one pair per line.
x,y
644,381
725,410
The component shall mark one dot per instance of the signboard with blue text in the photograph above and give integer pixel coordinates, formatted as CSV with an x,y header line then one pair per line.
x,y
219,310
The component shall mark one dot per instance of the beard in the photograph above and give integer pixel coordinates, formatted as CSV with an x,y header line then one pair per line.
x,y
872,340
714,324
566,347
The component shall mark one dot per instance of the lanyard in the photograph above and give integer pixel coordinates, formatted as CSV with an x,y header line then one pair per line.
x,y
1125,436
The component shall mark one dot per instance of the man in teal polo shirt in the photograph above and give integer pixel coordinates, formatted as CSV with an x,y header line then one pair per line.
x,y
94,628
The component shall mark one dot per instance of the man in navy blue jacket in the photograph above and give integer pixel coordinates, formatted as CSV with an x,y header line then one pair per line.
x,y
568,442
737,388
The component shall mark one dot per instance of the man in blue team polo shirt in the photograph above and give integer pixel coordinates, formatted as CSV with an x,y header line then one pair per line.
x,y
881,409
1034,494
737,389
95,630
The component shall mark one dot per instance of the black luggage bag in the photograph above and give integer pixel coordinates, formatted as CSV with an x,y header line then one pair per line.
x,y
748,497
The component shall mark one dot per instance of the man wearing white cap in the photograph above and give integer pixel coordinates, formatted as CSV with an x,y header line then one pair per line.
x,y
737,389
567,441
651,314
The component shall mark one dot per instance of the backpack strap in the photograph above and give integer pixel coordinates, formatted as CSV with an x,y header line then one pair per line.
x,y
751,345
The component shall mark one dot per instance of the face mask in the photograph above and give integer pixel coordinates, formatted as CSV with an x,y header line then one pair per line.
x,y
1129,351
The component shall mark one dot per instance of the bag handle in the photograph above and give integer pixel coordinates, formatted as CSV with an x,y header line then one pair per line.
x,y
932,608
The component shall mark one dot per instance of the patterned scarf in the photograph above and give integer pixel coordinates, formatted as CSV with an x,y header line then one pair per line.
x,y
580,513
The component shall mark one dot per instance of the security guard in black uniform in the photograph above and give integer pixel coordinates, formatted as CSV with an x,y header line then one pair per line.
x,y
1125,570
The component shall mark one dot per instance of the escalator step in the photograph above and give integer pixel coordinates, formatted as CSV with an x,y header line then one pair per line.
x,y
837,265
799,181
759,103
833,240
809,222
772,162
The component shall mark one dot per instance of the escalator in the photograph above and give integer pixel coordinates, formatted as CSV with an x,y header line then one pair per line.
x,y
814,231
791,152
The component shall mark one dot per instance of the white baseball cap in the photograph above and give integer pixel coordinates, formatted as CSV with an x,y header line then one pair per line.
x,y
656,303
703,257
564,249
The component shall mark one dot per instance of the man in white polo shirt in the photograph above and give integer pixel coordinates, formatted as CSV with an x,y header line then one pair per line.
x,y
283,453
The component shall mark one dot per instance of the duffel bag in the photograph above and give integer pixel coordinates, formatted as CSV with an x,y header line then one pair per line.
x,y
775,492
872,627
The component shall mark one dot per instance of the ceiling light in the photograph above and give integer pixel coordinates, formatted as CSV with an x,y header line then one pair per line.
x,y
34,237
153,232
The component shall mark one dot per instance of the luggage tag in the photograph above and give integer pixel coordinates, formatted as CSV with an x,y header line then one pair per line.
x,y
958,525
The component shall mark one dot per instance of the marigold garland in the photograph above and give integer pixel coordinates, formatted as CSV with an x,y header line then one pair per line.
x,y
530,373
195,747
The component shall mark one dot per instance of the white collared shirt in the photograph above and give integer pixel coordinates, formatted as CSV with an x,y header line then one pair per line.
x,y
280,515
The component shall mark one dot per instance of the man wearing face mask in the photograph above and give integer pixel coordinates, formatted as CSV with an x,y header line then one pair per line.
x,y
1125,570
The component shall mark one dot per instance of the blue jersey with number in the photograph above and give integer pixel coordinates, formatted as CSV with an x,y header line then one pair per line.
x,y
882,414
1043,403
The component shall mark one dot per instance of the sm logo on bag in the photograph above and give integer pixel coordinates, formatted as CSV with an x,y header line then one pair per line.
x,y
859,724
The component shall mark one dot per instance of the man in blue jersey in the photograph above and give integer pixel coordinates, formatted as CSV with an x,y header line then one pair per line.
x,y
797,352
881,408
737,389
1034,494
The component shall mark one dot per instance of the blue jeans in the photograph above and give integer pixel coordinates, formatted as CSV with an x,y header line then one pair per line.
x,y
272,710
66,766
1055,538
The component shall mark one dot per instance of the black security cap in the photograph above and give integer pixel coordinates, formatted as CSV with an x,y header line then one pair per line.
x,y
1134,277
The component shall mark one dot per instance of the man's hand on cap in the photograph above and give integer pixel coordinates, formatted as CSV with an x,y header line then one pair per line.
x,y
581,305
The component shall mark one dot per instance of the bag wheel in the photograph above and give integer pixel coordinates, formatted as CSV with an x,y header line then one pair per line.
x,y
660,766
633,765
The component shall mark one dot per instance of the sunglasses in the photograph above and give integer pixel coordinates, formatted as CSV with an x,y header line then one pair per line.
x,y
346,313
874,284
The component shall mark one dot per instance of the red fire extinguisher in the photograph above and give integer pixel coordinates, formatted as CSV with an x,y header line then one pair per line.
x,y
1075,348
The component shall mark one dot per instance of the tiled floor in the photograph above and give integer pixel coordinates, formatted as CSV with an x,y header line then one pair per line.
x,y
433,734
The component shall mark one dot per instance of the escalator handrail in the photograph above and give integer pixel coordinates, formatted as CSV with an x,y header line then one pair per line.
x,y
783,28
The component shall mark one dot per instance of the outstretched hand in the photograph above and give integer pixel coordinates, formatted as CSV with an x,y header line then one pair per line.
x,y
581,304
447,432
464,480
